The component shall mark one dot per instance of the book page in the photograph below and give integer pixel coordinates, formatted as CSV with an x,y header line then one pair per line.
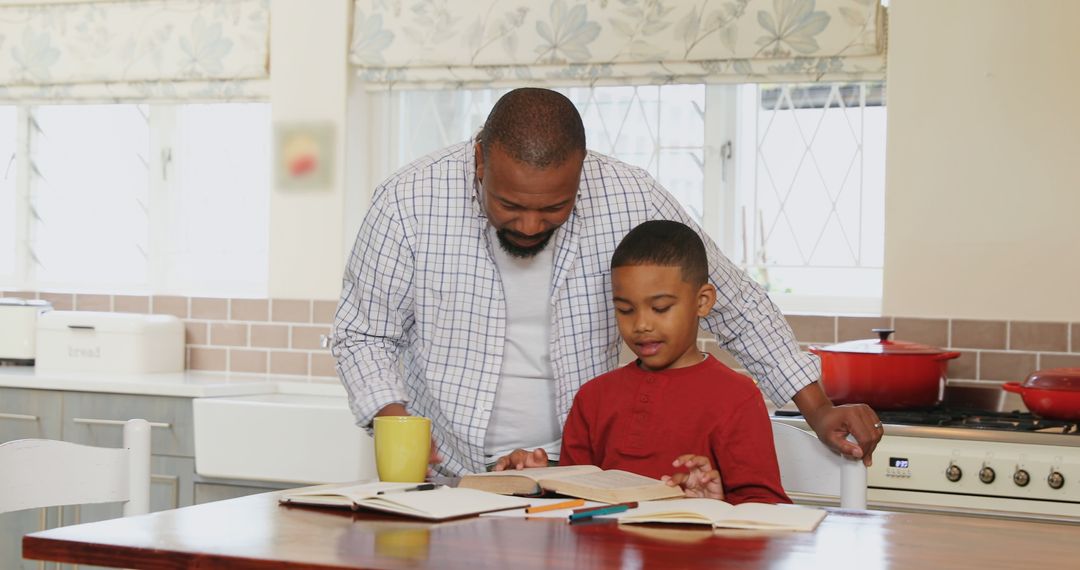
x,y
691,511
353,492
613,479
759,515
538,473
443,503
724,515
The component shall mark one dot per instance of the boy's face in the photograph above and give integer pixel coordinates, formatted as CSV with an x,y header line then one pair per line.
x,y
658,314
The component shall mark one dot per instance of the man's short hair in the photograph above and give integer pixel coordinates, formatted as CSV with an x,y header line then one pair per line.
x,y
667,244
538,127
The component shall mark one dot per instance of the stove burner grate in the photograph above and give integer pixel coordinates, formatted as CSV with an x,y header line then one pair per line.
x,y
969,418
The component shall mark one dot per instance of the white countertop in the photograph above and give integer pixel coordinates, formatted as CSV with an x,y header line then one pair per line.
x,y
190,383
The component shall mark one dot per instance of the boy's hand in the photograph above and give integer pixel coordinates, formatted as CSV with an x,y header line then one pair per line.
x,y
521,458
700,481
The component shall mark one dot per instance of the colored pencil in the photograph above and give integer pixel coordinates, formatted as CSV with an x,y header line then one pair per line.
x,y
555,506
630,505
608,510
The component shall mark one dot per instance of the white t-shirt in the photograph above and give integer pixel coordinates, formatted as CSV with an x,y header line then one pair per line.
x,y
524,414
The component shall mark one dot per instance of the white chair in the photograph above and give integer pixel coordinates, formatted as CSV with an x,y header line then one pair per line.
x,y
37,473
807,466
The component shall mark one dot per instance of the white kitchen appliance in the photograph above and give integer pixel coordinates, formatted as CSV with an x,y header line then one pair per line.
x,y
127,343
979,453
18,326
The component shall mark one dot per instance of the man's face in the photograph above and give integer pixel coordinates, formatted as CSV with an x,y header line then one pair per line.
x,y
525,204
657,313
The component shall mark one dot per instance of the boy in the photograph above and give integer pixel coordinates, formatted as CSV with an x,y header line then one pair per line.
x,y
672,398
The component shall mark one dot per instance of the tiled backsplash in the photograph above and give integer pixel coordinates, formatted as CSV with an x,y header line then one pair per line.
x,y
990,350
282,336
277,336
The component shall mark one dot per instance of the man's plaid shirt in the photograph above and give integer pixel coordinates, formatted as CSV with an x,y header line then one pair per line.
x,y
422,316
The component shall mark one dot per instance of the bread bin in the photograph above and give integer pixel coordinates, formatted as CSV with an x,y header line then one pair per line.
x,y
18,326
90,341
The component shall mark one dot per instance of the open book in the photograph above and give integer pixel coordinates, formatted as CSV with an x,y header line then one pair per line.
x,y
584,481
719,514
437,504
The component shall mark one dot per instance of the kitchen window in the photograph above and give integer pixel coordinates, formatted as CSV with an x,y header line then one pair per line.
x,y
787,179
137,199
8,137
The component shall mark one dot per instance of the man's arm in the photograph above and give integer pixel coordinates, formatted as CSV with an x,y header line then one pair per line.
x,y
832,424
375,305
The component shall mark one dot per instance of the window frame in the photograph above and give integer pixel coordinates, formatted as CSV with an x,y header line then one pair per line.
x,y
162,182
724,164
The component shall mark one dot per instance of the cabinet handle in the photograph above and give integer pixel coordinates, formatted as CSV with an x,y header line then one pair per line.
x,y
23,417
97,422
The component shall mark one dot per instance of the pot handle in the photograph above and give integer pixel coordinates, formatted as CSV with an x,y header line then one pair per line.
x,y
883,333
1013,387
947,356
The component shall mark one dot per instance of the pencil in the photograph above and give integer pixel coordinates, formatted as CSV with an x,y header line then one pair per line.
x,y
578,515
630,505
421,487
555,506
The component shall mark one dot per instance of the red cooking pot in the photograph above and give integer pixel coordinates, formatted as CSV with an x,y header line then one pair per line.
x,y
1053,394
882,373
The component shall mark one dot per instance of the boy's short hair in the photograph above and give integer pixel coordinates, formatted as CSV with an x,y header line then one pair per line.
x,y
665,243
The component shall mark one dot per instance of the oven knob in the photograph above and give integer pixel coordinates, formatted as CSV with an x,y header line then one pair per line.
x,y
953,473
1056,480
1021,478
986,475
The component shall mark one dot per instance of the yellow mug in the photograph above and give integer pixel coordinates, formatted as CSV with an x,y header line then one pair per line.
x,y
402,448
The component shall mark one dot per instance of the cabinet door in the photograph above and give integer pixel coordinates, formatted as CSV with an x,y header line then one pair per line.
x,y
171,487
90,419
172,483
29,414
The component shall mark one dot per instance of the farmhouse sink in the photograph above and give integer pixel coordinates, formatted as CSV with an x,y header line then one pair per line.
x,y
283,437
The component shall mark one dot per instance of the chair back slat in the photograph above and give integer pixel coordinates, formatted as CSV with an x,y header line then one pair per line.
x,y
36,473
807,466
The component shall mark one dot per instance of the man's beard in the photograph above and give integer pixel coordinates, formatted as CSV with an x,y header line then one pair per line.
x,y
522,252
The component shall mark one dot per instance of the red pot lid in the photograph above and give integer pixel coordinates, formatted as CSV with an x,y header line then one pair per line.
x,y
1064,379
881,345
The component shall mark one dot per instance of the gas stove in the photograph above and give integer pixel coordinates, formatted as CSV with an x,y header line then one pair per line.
x,y
979,453
974,418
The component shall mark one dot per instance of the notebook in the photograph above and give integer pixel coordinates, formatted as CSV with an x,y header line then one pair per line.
x,y
719,514
437,504
584,481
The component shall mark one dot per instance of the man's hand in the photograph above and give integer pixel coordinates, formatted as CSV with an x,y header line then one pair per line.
x,y
832,424
521,458
396,409
700,481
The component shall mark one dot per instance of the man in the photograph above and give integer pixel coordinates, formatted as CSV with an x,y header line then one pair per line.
x,y
478,292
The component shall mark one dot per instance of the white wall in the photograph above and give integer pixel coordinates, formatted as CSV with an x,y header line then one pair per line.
x,y
309,82
983,160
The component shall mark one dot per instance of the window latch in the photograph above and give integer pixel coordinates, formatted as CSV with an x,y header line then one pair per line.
x,y
166,160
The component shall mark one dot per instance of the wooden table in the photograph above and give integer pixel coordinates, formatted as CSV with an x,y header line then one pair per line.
x,y
255,532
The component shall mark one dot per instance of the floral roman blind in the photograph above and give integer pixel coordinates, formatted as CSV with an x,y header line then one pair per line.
x,y
447,43
146,50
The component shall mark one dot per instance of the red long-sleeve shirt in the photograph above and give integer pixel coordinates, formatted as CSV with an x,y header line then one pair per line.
x,y
638,420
